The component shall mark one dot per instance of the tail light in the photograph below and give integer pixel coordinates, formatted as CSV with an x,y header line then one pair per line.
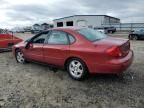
x,y
125,48
114,51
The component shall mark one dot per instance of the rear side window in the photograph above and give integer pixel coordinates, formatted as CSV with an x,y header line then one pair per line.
x,y
58,37
71,39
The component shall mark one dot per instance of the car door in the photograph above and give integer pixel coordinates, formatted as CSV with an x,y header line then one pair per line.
x,y
57,48
142,34
35,49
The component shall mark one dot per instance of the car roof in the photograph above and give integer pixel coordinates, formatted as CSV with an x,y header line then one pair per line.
x,y
66,28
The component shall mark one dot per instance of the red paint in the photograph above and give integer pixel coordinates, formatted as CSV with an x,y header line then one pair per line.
x,y
6,39
109,55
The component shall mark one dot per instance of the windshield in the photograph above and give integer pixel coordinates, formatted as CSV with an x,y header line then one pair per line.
x,y
28,40
91,35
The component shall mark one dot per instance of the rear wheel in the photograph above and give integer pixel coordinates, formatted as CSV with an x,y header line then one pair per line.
x,y
20,57
130,37
135,37
110,32
77,69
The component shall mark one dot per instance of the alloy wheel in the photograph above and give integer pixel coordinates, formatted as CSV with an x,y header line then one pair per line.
x,y
135,38
20,57
76,68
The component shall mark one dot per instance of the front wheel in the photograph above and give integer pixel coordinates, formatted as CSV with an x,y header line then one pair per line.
x,y
20,57
77,69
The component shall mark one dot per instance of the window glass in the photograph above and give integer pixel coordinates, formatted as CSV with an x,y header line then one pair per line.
x,y
58,37
69,23
71,38
90,34
59,24
41,38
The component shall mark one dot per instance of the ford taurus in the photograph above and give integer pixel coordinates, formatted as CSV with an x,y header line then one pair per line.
x,y
79,50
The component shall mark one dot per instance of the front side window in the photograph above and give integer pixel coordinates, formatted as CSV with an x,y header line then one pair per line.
x,y
40,39
90,34
58,37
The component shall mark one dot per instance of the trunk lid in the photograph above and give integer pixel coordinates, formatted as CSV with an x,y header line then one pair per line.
x,y
109,42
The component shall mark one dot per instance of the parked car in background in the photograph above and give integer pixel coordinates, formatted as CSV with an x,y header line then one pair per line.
x,y
79,50
110,29
136,35
7,40
21,31
27,29
101,29
34,31
18,30
106,29
37,28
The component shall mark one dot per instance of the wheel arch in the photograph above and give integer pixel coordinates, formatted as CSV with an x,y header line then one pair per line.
x,y
17,49
74,57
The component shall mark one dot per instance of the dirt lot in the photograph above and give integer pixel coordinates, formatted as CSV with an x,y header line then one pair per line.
x,y
35,86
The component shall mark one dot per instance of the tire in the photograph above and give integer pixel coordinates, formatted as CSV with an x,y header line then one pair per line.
x,y
20,57
135,37
130,37
110,32
77,69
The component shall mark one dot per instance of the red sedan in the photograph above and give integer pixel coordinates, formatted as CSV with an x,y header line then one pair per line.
x,y
79,50
7,40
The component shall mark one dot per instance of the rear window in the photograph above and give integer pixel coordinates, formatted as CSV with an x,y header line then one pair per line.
x,y
91,35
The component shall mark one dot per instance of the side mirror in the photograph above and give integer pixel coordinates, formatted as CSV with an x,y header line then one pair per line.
x,y
29,43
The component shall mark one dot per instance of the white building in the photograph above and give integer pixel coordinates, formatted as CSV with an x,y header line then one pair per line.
x,y
85,21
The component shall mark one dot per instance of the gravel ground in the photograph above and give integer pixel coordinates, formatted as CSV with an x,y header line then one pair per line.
x,y
36,86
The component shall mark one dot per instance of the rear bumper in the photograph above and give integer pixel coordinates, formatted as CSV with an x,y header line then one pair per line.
x,y
114,66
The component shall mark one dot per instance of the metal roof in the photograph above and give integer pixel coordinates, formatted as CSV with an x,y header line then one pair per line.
x,y
86,15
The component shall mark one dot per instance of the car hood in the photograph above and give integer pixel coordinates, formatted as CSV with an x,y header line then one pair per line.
x,y
21,44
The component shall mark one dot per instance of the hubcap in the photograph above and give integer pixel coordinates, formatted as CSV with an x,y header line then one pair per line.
x,y
20,57
135,37
76,68
130,37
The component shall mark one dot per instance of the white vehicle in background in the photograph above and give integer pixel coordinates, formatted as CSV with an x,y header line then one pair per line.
x,y
18,30
100,29
106,29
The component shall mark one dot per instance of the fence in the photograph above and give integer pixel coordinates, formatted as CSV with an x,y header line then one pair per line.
x,y
126,26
